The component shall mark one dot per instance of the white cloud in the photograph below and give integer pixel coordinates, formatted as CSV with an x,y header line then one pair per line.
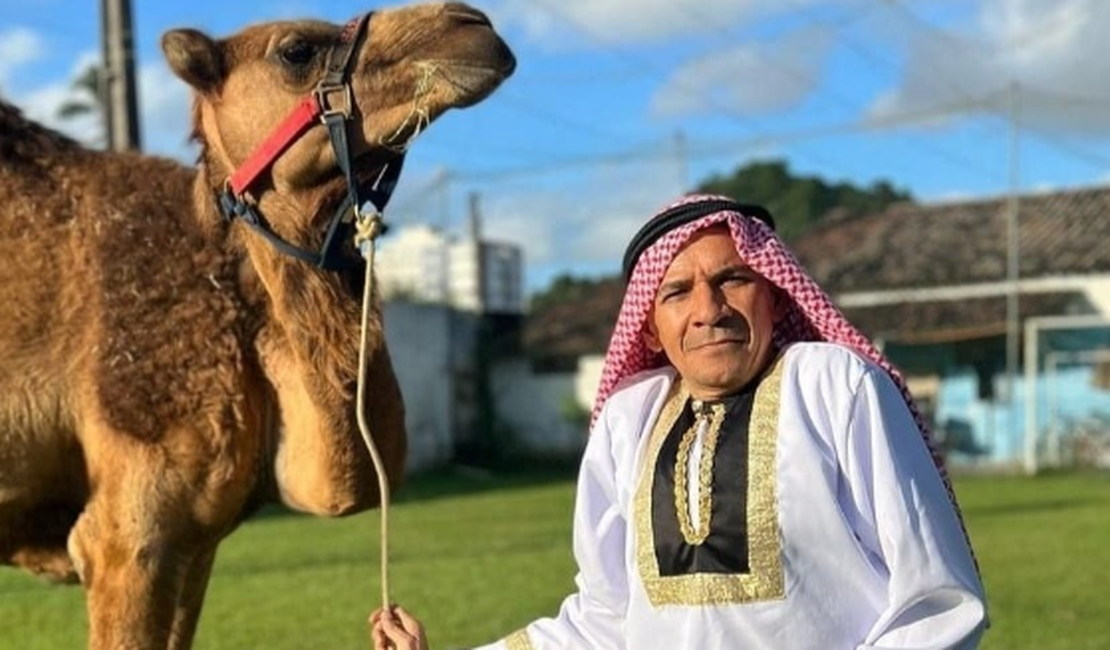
x,y
750,79
18,47
1055,50
1033,29
165,103
42,103
527,222
618,22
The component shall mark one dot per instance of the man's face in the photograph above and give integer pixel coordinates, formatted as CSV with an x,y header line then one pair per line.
x,y
713,316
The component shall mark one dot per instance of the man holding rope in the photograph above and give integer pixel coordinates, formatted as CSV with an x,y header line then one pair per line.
x,y
757,475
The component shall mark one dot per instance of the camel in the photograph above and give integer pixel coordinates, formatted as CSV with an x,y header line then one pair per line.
x,y
164,371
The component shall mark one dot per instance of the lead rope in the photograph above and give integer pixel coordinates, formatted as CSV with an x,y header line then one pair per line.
x,y
367,229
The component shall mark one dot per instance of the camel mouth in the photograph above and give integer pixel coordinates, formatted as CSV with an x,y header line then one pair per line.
x,y
470,83
471,62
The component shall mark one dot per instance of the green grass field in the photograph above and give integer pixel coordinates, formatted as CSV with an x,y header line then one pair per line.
x,y
479,557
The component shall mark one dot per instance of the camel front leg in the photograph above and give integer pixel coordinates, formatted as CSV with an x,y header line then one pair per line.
x,y
132,576
139,542
189,602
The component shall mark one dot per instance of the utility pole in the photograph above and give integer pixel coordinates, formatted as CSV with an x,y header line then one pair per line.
x,y
118,49
443,187
1013,326
479,258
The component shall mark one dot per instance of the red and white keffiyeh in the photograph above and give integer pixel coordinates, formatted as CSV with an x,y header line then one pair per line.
x,y
810,314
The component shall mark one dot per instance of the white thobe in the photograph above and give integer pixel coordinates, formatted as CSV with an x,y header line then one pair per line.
x,y
853,540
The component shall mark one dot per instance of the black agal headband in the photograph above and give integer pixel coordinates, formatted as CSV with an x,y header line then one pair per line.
x,y
668,220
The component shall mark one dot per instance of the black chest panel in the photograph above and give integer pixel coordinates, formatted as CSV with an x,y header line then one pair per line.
x,y
725,550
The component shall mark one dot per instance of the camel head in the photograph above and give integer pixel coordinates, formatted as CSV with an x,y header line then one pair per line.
x,y
409,66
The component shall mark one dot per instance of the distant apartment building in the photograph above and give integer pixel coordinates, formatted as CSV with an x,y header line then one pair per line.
x,y
423,264
413,264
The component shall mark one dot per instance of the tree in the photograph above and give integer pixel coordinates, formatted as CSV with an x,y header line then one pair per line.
x,y
87,98
565,288
798,202
88,88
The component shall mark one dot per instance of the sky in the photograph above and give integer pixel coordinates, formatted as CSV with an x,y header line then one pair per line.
x,y
618,106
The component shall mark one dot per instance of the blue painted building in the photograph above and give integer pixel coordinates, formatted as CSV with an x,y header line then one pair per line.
x,y
929,283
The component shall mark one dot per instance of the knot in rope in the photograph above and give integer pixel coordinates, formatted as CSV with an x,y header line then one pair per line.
x,y
367,229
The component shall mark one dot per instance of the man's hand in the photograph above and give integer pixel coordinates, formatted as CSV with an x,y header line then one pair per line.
x,y
396,629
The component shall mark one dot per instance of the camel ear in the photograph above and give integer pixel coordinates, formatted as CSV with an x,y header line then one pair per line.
x,y
195,58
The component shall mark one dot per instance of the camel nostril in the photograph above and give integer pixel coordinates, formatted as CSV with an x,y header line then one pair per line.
x,y
466,15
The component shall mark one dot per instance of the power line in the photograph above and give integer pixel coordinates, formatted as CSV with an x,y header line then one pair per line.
x,y
1085,155
1073,99
762,138
1012,226
654,71
637,62
836,96
437,183
1058,141
527,107
1025,39
721,147
1013,334
994,112
948,156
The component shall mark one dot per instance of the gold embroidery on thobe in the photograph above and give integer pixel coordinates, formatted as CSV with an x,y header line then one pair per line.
x,y
764,581
696,535
518,641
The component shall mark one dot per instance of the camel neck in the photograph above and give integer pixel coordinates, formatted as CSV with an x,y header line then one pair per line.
x,y
318,317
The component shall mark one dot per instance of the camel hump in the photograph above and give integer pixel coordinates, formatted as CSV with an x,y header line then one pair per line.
x,y
23,141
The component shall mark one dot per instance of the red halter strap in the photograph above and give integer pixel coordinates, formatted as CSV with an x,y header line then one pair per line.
x,y
289,131
307,112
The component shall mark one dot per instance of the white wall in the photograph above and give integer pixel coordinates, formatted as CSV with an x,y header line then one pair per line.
x,y
1098,292
588,378
462,285
432,346
419,341
534,407
501,265
414,263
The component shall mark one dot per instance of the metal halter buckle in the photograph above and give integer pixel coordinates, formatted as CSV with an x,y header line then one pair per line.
x,y
327,108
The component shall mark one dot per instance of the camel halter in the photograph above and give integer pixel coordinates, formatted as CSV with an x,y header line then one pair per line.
x,y
348,220
331,103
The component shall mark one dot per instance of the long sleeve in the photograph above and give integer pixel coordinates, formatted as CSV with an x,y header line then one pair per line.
x,y
593,617
898,506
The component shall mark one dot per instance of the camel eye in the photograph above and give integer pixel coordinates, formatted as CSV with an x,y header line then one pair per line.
x,y
298,53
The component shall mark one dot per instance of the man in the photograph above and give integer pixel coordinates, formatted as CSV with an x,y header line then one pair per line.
x,y
757,476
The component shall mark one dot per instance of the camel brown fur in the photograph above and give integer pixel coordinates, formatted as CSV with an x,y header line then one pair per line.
x,y
163,373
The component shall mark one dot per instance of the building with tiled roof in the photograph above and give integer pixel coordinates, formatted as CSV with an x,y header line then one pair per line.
x,y
934,273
